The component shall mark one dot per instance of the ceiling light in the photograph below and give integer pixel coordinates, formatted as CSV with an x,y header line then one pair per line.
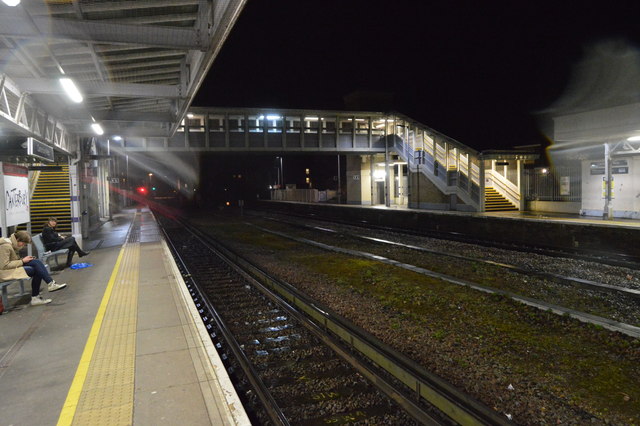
x,y
70,89
97,128
633,138
11,2
117,138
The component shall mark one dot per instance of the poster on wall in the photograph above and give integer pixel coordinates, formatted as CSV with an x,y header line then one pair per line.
x,y
604,188
15,199
565,185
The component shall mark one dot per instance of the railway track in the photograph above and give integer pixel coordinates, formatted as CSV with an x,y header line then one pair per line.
x,y
584,283
604,257
311,368
331,244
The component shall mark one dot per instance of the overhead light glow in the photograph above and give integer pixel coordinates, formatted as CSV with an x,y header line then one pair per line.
x,y
97,128
117,138
311,119
379,174
273,117
189,115
11,2
633,138
71,90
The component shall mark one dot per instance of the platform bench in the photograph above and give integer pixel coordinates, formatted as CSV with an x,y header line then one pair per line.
x,y
45,255
5,295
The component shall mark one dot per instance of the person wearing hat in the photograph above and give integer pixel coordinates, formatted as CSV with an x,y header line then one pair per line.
x,y
12,267
54,241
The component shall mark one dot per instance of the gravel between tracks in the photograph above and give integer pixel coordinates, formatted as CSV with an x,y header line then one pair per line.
x,y
606,274
509,392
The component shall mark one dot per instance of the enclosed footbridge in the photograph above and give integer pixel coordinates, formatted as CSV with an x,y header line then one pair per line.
x,y
454,168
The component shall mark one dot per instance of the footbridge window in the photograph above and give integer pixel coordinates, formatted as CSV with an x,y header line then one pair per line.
x,y
311,124
329,126
256,123
216,123
362,126
293,124
274,123
236,123
346,126
217,130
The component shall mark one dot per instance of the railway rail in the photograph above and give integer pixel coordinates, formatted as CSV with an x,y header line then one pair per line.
x,y
584,283
339,246
301,363
604,257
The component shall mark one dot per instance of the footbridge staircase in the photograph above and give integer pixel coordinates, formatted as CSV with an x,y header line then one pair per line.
x,y
451,166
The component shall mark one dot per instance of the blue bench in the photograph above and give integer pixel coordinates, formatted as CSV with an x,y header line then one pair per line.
x,y
5,295
43,255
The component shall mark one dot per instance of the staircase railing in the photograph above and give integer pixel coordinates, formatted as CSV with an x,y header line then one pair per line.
x,y
33,180
503,185
452,172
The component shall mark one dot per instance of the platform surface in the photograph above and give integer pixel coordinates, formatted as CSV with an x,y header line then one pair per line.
x,y
122,344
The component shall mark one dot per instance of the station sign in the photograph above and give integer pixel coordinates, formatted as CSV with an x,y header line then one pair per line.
x,y
15,195
618,167
40,150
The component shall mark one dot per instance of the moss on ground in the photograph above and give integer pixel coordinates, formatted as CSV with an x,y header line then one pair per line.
x,y
591,367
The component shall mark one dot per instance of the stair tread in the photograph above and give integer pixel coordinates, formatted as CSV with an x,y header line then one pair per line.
x,y
494,201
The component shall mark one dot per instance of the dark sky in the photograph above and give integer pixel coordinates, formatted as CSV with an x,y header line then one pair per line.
x,y
473,70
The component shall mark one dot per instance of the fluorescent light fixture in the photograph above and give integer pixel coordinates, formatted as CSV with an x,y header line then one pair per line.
x,y
189,115
117,138
311,119
633,138
97,128
71,90
11,2
273,117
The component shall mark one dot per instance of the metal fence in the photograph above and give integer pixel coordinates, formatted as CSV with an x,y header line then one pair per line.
x,y
557,184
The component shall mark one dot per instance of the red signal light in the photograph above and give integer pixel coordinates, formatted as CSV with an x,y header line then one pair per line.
x,y
142,190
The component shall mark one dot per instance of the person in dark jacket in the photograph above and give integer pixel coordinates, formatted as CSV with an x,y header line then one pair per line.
x,y
53,241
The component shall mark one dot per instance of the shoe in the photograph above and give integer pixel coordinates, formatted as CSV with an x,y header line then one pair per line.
x,y
83,253
39,300
54,287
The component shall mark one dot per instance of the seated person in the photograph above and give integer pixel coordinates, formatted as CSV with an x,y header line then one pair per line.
x,y
53,241
14,268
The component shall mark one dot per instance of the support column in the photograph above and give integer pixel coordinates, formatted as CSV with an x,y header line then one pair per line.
x,y
607,211
481,182
401,189
371,178
387,193
519,173
76,212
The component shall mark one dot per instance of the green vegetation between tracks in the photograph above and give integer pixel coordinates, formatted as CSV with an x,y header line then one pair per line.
x,y
587,367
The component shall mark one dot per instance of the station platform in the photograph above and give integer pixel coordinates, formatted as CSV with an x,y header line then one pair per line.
x,y
122,344
540,229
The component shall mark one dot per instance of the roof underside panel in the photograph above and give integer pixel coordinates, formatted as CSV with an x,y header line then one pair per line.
x,y
130,56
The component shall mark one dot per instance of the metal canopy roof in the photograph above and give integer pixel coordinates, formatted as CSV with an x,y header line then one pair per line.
x,y
137,63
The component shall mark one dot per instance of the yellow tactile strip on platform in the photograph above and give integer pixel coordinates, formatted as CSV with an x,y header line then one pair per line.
x,y
102,391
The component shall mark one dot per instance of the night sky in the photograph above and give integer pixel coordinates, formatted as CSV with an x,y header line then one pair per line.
x,y
477,71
